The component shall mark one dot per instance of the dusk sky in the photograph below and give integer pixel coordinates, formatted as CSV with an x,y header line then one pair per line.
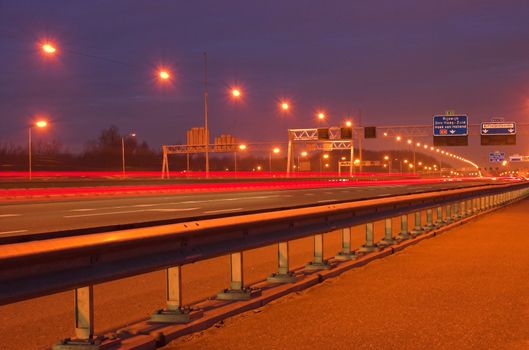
x,y
399,62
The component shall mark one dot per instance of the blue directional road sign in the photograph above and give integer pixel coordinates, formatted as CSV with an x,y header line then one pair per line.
x,y
498,128
450,125
496,157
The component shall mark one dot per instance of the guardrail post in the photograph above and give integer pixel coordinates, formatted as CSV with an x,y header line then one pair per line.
x,y
462,209
439,217
429,220
448,214
237,291
318,263
84,322
84,313
283,274
469,207
346,253
369,246
388,234
403,228
417,229
174,313
476,205
454,211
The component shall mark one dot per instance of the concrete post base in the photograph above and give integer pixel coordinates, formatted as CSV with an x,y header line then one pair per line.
x,y
385,242
80,344
282,278
341,256
238,294
317,266
182,315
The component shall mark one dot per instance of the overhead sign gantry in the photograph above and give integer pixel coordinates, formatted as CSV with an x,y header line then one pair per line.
x,y
327,139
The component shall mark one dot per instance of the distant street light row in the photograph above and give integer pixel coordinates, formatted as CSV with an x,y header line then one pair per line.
x,y
433,149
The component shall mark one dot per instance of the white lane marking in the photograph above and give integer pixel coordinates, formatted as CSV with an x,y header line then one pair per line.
x,y
9,232
328,192
128,212
173,209
98,214
8,215
221,210
326,200
175,203
309,194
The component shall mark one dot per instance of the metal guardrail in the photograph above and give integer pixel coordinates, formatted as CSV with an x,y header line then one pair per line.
x,y
38,268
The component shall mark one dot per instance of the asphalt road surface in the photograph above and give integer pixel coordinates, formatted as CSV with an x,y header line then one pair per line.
x,y
26,218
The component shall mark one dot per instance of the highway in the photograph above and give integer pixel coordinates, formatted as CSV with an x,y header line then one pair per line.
x,y
27,218
122,301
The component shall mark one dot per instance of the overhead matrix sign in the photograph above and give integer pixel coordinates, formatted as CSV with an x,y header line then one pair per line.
x,y
498,133
498,128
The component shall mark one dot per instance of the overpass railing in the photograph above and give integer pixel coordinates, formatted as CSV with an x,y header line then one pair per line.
x,y
38,268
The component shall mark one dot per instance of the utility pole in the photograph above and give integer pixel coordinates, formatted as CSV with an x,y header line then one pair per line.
x,y
29,151
206,132
360,139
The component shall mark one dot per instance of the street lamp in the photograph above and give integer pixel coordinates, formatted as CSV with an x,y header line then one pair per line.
x,y
39,124
275,150
235,92
386,158
164,74
123,152
285,106
48,49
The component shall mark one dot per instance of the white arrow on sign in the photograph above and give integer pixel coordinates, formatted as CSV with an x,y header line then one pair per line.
x,y
485,131
510,130
452,131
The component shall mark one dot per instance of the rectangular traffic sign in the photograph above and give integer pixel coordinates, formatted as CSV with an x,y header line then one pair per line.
x,y
496,157
498,128
450,125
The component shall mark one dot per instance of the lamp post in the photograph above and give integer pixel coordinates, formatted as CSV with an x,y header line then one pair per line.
x,y
123,153
39,124
241,147
275,150
325,156
302,154
386,158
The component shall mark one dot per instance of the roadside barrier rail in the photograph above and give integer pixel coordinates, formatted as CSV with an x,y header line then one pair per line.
x,y
38,268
